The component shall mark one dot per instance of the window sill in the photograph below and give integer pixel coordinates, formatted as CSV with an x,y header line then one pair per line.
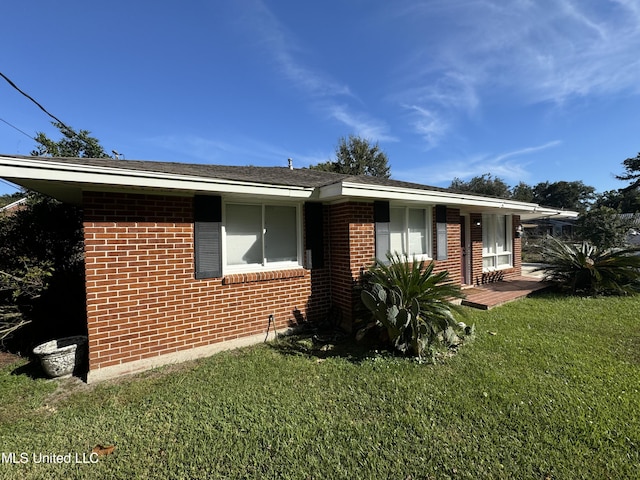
x,y
496,269
236,278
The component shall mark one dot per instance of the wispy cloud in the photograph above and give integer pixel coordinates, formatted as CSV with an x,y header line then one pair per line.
x,y
427,123
361,124
284,49
325,93
510,166
469,52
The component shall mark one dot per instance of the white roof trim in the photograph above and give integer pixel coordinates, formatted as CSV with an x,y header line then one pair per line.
x,y
51,170
359,190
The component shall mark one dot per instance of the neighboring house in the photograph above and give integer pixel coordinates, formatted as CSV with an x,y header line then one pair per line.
x,y
560,227
183,260
13,207
633,237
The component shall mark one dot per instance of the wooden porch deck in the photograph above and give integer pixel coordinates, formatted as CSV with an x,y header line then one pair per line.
x,y
492,295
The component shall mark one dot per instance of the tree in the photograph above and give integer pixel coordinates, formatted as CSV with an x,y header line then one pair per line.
x,y
623,200
72,144
568,195
356,156
604,227
522,192
41,255
632,172
485,184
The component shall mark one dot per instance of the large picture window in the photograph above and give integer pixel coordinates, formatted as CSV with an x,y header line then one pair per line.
x,y
261,235
410,231
496,242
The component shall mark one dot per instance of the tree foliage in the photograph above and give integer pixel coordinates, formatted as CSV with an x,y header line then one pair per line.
x,y
522,192
624,200
568,195
8,198
604,227
485,184
356,156
72,144
42,254
632,172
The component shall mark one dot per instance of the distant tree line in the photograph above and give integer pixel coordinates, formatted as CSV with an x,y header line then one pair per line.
x,y
569,195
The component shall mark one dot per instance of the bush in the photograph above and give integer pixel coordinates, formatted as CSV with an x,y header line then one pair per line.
x,y
586,269
412,303
18,292
42,257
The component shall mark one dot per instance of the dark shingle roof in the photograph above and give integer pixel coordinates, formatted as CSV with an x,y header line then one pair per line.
x,y
298,177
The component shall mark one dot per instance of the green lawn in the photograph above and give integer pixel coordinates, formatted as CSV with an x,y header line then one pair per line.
x,y
550,388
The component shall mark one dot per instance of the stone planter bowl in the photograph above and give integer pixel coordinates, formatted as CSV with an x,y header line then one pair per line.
x,y
63,356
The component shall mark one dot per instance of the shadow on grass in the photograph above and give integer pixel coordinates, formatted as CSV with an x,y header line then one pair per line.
x,y
324,344
33,370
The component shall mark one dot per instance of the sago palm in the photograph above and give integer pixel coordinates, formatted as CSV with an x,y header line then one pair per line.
x,y
583,268
413,303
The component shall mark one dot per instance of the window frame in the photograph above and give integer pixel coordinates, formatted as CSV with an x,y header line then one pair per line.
x,y
490,220
428,218
264,266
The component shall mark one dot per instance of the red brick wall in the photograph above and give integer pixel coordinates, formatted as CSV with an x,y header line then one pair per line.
x,y
352,247
142,298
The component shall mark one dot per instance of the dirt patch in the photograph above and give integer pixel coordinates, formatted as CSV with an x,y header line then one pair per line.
x,y
7,358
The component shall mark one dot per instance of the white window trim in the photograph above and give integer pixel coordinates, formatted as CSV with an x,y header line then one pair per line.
x,y
264,267
508,243
428,211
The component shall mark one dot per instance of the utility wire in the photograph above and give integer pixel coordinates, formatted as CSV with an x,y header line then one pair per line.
x,y
16,128
34,101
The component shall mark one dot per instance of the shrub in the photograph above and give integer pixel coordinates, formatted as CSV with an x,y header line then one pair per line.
x,y
41,255
18,291
412,303
585,268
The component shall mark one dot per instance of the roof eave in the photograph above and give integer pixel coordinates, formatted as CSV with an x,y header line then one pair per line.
x,y
27,171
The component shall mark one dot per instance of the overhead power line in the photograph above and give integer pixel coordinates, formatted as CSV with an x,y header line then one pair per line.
x,y
34,101
16,128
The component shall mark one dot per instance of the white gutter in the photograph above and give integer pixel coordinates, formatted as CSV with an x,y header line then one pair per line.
x,y
54,171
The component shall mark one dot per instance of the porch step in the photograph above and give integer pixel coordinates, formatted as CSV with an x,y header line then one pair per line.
x,y
491,295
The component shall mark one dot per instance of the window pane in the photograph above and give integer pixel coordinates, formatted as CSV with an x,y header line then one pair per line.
x,y
280,237
244,234
501,233
417,232
504,260
397,231
488,234
488,262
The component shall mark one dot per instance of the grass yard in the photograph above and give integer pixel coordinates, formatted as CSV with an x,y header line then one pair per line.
x,y
550,388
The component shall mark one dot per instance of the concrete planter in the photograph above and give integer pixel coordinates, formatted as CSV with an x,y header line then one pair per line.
x,y
62,357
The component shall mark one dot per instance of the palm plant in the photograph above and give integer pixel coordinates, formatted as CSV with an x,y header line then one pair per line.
x,y
584,268
412,303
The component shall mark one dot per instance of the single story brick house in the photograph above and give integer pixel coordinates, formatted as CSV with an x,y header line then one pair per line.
x,y
183,260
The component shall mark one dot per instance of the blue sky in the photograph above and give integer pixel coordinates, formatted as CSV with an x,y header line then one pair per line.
x,y
537,90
